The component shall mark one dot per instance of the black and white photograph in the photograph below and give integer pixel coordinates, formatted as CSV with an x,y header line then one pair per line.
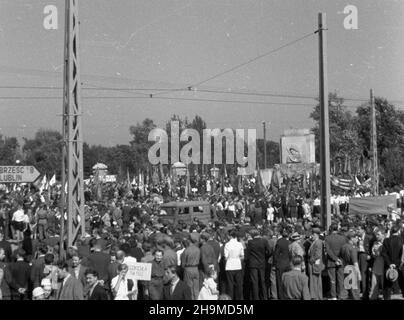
x,y
182,150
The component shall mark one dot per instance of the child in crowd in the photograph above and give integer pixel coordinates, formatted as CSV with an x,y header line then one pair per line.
x,y
209,288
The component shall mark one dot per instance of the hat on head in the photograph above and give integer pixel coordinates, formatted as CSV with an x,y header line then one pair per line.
x,y
392,274
37,292
295,236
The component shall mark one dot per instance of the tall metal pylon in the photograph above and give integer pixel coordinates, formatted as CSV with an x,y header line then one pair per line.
x,y
72,163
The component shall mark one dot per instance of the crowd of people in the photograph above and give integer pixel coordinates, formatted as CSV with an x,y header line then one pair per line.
x,y
252,248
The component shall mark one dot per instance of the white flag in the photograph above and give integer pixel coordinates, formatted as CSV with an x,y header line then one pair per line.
x,y
52,181
43,183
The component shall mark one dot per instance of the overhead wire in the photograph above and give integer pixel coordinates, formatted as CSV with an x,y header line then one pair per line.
x,y
240,65
147,95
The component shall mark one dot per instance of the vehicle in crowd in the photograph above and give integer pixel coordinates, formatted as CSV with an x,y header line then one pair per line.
x,y
186,211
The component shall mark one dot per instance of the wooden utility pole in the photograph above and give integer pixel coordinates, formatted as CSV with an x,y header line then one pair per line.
x,y
265,144
324,125
374,145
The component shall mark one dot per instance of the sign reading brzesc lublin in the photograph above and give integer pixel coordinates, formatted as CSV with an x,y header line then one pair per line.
x,y
18,174
297,146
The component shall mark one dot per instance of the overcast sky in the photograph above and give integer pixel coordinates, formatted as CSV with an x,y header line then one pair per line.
x,y
160,44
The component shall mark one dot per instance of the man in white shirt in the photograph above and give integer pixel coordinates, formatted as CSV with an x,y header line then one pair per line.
x,y
234,253
232,210
129,261
18,222
336,204
270,213
123,288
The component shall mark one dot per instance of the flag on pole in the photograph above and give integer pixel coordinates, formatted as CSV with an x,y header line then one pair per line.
x,y
240,185
155,176
140,179
161,171
188,184
128,179
261,187
357,181
43,184
368,183
345,184
97,186
52,181
169,184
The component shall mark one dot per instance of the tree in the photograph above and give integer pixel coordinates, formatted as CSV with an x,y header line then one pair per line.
x,y
9,150
140,144
93,155
120,160
344,138
389,126
273,154
45,151
390,138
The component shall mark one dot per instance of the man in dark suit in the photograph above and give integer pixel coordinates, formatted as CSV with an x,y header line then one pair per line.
x,y
126,208
175,289
71,288
134,250
215,245
7,283
95,290
207,258
257,254
282,261
20,272
271,270
392,252
38,265
99,261
366,239
6,246
333,244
